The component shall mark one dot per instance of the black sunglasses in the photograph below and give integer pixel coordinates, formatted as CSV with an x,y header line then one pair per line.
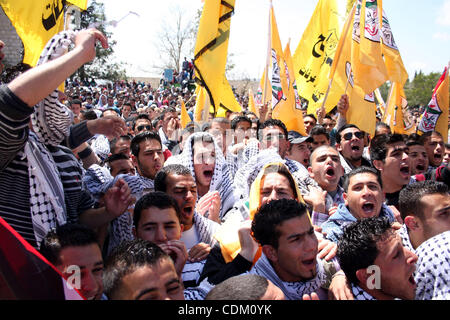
x,y
349,135
147,127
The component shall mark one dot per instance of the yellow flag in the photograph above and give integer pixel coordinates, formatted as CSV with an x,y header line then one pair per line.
x,y
184,117
264,90
82,4
381,105
315,52
201,107
210,54
227,98
362,106
395,110
295,121
435,116
35,23
251,103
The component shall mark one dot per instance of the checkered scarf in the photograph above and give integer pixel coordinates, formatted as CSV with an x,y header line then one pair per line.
x,y
222,179
360,294
292,290
51,121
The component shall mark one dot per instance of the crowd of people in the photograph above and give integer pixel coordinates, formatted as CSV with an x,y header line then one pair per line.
x,y
104,177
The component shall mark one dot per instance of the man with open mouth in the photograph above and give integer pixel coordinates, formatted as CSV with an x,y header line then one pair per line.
x,y
434,144
375,262
363,198
350,144
389,155
418,157
326,170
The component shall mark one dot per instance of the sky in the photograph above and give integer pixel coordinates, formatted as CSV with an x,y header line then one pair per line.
x,y
421,30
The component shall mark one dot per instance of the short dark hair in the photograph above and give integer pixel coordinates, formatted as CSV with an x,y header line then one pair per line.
x,y
311,116
380,125
319,130
338,134
89,114
113,142
126,258
271,215
116,156
428,134
156,199
357,248
160,181
238,119
410,197
380,143
274,123
143,136
67,235
141,116
447,145
413,139
361,170
75,101
167,110
242,287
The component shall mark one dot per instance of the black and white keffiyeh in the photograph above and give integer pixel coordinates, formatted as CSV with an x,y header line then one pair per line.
x,y
360,294
222,180
432,273
403,233
292,290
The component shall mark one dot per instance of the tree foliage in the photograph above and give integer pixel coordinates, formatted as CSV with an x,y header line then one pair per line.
x,y
102,67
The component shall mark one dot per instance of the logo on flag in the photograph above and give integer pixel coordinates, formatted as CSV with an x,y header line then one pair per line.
x,y
430,116
277,90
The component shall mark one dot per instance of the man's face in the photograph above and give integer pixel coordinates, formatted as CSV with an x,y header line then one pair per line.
x,y
122,166
110,102
326,168
436,214
167,117
126,109
364,196
89,259
328,124
219,132
435,149
295,258
159,225
309,123
418,159
300,153
156,282
319,140
76,109
397,265
242,131
150,159
275,186
274,137
447,156
142,125
395,168
184,190
204,162
352,144
123,146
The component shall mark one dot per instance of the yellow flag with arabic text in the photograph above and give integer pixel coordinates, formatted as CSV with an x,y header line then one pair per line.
x,y
35,23
315,52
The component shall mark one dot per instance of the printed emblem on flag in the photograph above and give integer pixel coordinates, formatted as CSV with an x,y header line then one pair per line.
x,y
356,22
430,116
386,34
371,28
277,90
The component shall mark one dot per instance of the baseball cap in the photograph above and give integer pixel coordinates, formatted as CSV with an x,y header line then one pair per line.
x,y
294,137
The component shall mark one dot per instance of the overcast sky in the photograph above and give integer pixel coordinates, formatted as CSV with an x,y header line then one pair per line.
x,y
421,30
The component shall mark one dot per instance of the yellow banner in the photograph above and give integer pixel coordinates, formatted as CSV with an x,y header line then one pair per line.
x,y
82,4
396,109
315,52
35,23
211,51
184,117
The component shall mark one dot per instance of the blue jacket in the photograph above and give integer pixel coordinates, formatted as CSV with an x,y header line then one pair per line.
x,y
334,226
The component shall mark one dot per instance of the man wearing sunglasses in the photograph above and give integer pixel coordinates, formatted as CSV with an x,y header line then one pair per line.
x,y
142,123
350,144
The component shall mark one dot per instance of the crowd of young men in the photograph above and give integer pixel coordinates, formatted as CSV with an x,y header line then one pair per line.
x,y
234,207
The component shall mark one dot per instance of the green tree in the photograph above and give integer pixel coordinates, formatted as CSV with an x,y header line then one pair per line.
x,y
102,67
419,90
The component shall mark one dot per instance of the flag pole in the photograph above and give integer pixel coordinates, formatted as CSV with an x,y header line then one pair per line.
x,y
338,54
269,49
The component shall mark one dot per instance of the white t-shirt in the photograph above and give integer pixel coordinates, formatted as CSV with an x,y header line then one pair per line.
x,y
190,238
